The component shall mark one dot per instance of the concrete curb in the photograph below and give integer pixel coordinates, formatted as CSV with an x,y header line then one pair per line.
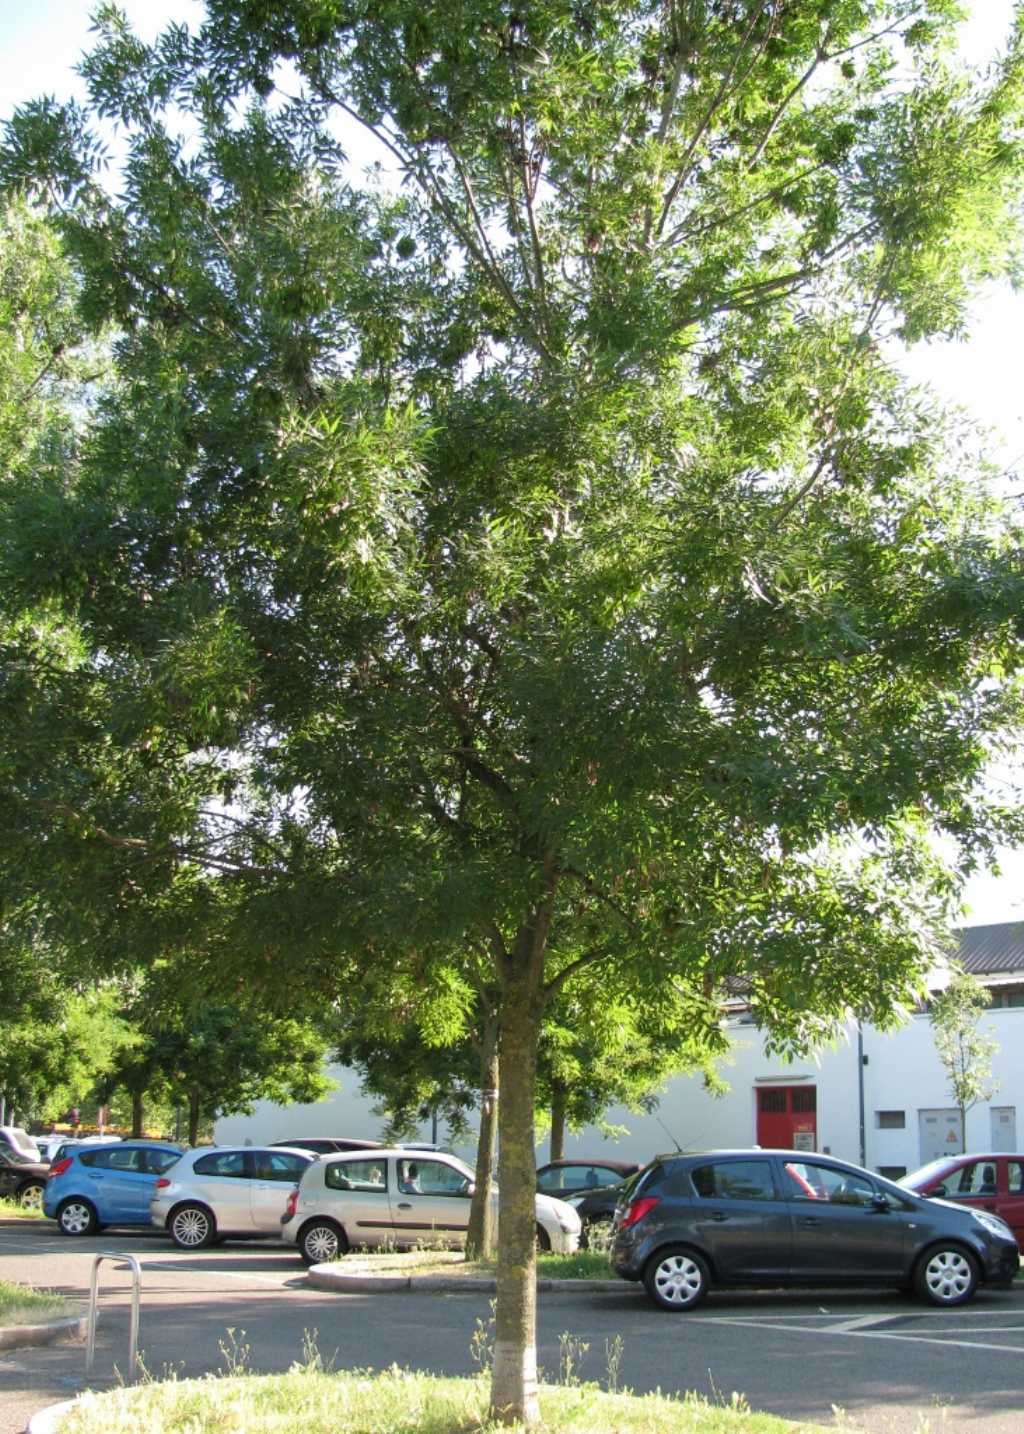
x,y
330,1277
48,1420
18,1336
23,1220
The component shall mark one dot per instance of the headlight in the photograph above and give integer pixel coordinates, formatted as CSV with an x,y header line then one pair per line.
x,y
993,1224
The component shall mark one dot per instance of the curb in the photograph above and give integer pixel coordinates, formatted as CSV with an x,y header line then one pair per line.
x,y
48,1420
18,1336
23,1220
329,1277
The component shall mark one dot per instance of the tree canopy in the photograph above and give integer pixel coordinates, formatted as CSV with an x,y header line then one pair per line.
x,y
525,551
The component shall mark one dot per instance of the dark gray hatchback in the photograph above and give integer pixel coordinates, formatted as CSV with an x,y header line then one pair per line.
x,y
782,1217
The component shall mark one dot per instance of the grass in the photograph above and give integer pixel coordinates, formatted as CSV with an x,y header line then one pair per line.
x,y
584,1265
20,1305
395,1402
11,1207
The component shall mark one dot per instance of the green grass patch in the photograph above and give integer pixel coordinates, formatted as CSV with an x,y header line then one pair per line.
x,y
24,1212
395,1402
584,1265
21,1305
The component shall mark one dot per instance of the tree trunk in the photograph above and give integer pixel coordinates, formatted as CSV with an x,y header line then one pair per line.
x,y
514,1376
557,1122
137,1096
481,1235
193,1116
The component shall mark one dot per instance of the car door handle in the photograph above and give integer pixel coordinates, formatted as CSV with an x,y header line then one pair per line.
x,y
809,1222
404,1205
719,1216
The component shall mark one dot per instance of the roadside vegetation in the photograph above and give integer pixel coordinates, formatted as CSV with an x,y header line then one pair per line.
x,y
584,1265
357,1402
20,1305
27,1212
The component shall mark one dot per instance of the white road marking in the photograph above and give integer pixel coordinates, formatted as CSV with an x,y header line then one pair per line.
x,y
878,1334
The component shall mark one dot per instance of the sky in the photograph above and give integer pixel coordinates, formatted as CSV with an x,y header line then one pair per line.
x,y
42,40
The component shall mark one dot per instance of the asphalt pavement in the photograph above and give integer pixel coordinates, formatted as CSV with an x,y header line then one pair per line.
x,y
883,1363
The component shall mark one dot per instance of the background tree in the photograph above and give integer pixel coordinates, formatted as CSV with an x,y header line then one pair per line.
x,y
538,558
963,1048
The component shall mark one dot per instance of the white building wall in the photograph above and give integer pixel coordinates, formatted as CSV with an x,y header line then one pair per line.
x,y
902,1072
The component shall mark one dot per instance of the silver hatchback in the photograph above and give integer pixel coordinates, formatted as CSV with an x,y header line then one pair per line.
x,y
399,1198
216,1192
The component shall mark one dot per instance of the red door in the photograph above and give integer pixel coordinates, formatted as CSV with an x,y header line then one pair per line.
x,y
787,1117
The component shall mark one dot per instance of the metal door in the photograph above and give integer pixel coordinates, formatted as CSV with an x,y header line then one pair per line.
x,y
939,1133
1003,1120
787,1117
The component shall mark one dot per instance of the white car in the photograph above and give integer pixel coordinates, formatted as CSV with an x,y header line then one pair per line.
x,y
401,1199
221,1191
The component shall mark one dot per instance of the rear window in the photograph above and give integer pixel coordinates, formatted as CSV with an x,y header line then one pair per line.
x,y
112,1157
222,1162
734,1180
370,1176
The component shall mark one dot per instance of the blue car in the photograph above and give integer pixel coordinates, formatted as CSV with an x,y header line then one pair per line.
x,y
97,1185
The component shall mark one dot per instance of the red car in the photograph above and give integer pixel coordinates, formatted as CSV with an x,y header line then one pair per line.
x,y
988,1182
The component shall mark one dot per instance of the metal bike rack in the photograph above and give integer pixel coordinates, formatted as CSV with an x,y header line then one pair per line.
x,y
125,1262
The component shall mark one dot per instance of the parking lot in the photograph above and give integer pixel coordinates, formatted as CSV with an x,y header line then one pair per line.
x,y
886,1361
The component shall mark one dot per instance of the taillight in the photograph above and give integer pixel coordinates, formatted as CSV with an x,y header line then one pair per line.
x,y
59,1168
293,1204
637,1209
162,1183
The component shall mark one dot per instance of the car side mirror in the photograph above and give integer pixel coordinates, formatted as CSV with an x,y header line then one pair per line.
x,y
880,1203
469,1189
939,1193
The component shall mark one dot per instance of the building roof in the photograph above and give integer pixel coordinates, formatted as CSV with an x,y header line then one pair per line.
x,y
992,950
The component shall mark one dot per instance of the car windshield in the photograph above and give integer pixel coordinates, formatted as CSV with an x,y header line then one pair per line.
x,y
19,1157
926,1173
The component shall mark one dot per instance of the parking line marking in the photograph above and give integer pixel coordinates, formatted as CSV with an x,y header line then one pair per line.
x,y
878,1334
847,1326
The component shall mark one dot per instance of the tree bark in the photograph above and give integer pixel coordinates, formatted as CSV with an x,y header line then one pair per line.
x,y
193,1116
557,1122
137,1098
482,1233
514,1375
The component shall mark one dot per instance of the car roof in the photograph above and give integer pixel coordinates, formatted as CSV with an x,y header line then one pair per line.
x,y
611,1163
230,1149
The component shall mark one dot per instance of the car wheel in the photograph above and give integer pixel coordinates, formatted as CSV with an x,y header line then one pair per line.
x,y
322,1241
676,1279
76,1217
543,1239
191,1227
947,1276
30,1197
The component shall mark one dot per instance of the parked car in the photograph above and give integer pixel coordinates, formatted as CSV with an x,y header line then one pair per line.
x,y
595,1207
22,1179
58,1146
562,1178
13,1137
779,1217
228,1191
392,1196
328,1144
987,1182
106,1183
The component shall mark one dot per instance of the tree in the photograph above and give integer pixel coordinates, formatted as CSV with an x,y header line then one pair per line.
x,y
537,561
964,1050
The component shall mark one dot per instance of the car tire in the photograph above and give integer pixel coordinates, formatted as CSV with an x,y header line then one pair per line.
x,y
76,1217
946,1275
543,1239
30,1197
322,1241
192,1227
676,1279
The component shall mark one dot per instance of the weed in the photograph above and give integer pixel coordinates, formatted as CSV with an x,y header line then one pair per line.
x,y
481,1342
613,1350
234,1352
571,1351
